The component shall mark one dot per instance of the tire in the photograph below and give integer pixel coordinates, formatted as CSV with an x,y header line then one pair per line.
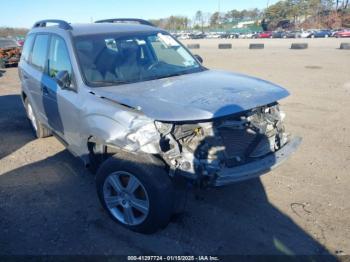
x,y
38,129
193,46
154,191
256,46
225,46
345,46
299,46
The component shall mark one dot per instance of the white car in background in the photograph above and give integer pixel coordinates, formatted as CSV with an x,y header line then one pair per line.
x,y
213,35
184,36
246,36
306,34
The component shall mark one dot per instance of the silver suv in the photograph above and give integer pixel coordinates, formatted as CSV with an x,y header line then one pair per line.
x,y
140,110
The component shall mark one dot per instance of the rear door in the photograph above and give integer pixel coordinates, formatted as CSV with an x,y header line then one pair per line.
x,y
37,74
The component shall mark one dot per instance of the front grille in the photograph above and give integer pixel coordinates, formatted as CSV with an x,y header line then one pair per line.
x,y
238,144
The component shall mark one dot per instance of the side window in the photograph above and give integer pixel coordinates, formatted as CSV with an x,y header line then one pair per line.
x,y
27,48
58,57
40,51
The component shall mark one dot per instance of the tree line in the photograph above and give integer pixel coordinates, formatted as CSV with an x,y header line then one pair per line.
x,y
285,13
7,31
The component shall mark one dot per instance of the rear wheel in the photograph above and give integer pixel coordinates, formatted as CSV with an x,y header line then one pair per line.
x,y
38,129
136,191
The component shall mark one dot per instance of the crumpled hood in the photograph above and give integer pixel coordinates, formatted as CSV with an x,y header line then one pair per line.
x,y
198,96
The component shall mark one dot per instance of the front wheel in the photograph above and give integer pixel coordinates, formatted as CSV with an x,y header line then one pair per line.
x,y
136,191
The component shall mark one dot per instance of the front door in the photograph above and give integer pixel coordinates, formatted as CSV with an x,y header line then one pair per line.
x,y
61,103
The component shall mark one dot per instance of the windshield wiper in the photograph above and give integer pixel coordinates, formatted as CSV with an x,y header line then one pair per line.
x,y
185,72
110,83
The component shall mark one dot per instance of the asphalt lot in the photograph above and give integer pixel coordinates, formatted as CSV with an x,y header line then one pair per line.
x,y
48,203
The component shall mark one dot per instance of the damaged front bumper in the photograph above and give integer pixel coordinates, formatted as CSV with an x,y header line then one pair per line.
x,y
257,168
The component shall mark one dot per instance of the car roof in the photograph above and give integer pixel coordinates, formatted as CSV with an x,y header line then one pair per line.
x,y
100,28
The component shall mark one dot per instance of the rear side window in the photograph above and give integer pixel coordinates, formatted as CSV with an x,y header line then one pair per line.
x,y
27,47
58,57
40,51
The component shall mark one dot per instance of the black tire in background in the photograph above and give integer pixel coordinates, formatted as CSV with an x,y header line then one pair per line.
x,y
40,131
193,46
345,46
299,46
152,175
225,46
256,46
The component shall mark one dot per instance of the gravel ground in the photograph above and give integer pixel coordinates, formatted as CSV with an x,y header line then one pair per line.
x,y
48,203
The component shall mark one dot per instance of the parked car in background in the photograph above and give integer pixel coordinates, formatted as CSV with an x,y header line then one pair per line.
x,y
197,36
20,41
229,35
233,35
10,52
306,34
246,35
225,35
183,36
266,34
334,31
323,33
138,107
293,34
343,33
279,34
213,35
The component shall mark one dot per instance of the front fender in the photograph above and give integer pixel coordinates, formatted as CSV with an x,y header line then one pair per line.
x,y
137,134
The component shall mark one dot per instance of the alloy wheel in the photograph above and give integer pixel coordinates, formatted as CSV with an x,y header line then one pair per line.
x,y
126,198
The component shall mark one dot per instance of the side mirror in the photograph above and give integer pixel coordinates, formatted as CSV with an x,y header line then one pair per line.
x,y
62,78
199,58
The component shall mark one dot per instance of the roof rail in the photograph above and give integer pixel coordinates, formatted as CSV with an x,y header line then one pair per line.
x,y
125,20
61,24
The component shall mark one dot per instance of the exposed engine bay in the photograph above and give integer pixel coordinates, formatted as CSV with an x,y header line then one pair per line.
x,y
201,149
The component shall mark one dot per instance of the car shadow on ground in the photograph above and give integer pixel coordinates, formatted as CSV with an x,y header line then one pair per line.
x,y
15,130
51,207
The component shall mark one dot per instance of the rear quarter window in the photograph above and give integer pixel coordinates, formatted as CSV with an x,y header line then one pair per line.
x,y
28,44
39,52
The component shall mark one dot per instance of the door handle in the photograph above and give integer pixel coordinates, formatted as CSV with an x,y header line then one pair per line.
x,y
44,90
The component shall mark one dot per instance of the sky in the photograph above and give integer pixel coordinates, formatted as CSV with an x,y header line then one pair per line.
x,y
23,13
